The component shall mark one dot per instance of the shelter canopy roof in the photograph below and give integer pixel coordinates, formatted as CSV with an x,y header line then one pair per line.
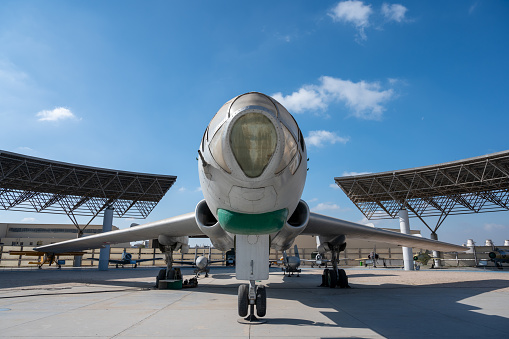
x,y
40,185
473,185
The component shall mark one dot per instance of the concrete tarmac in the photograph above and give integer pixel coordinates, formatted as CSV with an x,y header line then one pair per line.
x,y
382,303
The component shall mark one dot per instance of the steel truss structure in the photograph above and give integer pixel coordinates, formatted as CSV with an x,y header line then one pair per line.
x,y
473,185
39,185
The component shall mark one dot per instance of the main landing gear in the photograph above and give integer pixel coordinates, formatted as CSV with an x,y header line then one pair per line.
x,y
250,296
334,277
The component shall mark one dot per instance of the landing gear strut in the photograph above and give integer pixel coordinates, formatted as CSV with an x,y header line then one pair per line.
x,y
250,296
335,277
169,272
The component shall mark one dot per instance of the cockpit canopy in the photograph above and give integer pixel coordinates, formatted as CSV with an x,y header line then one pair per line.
x,y
253,137
253,140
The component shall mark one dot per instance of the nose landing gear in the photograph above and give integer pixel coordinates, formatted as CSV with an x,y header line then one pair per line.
x,y
250,296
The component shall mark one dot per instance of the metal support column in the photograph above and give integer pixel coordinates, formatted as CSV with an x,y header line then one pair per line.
x,y
436,254
104,254
404,225
77,258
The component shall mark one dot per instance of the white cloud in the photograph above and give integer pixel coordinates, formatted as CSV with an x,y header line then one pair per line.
x,y
473,8
364,99
334,186
394,12
354,12
349,174
319,138
25,150
325,207
306,98
184,189
10,76
494,227
57,114
28,220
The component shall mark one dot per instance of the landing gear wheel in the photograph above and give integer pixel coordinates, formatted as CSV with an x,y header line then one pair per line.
x,y
243,300
160,276
135,265
325,277
116,266
342,279
333,278
261,301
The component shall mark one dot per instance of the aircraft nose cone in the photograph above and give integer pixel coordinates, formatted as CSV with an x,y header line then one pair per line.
x,y
201,262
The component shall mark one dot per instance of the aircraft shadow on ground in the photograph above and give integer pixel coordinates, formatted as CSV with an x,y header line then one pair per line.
x,y
414,310
424,310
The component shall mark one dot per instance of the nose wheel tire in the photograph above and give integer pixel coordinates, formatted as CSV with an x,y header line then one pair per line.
x,y
261,301
243,300
246,307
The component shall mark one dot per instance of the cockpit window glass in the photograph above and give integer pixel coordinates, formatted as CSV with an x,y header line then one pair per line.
x,y
253,140
253,99
288,120
219,117
294,164
216,149
289,151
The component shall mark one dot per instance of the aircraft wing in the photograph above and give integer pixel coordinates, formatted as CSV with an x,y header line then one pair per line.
x,y
192,263
183,225
327,226
143,260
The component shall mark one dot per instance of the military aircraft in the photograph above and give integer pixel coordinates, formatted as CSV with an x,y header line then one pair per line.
x,y
46,257
127,259
423,258
291,263
202,263
252,166
319,260
499,256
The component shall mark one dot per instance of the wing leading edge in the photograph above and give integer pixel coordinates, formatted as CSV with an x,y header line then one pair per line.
x,y
327,226
183,225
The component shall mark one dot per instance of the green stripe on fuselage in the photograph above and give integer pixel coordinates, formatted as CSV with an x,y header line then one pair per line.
x,y
242,223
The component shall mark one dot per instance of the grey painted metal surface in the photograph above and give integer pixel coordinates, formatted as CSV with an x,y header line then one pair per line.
x,y
324,225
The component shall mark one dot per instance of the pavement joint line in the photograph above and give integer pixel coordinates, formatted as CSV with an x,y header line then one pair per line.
x,y
152,314
70,293
65,311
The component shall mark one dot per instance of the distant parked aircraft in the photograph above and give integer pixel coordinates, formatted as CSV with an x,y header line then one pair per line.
x,y
127,259
46,258
499,256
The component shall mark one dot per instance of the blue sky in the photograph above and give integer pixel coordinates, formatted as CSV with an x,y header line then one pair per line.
x,y
375,86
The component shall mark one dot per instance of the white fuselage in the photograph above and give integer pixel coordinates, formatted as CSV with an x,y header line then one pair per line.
x,y
253,161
